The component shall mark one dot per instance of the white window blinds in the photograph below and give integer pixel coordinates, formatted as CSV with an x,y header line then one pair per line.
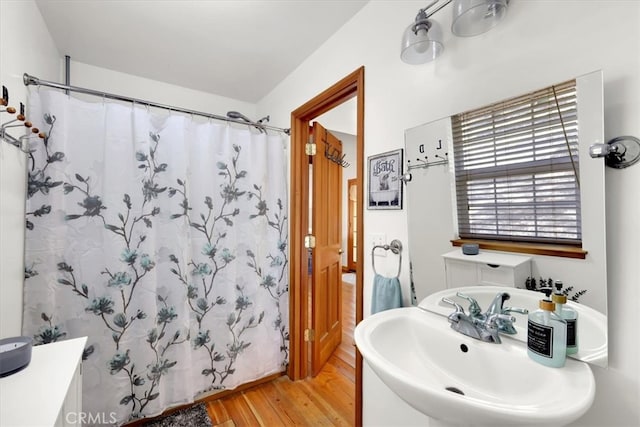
x,y
516,166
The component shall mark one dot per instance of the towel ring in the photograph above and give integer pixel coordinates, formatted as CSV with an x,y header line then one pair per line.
x,y
396,247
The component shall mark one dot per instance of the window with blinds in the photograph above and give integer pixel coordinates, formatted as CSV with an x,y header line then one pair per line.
x,y
516,167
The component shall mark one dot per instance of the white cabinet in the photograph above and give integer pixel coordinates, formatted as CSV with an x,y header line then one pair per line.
x,y
48,392
486,268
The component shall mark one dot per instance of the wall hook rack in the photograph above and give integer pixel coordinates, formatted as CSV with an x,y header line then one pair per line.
x,y
20,121
335,156
426,162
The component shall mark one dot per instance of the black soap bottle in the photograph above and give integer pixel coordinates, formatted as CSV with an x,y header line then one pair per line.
x,y
569,315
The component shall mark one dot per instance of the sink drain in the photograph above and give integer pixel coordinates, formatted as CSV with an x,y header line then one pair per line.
x,y
455,390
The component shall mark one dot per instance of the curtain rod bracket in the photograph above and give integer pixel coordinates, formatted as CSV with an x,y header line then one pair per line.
x,y
30,80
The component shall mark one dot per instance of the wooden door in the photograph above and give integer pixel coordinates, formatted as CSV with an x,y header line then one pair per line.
x,y
352,229
327,228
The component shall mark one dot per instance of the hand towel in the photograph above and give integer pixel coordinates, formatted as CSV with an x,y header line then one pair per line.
x,y
386,294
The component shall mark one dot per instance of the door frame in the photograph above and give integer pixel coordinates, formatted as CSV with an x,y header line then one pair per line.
x,y
299,280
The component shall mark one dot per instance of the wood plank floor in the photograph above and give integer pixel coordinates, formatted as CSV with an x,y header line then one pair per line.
x,y
326,400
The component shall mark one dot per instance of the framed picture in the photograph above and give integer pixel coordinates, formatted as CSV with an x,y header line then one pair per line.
x,y
385,185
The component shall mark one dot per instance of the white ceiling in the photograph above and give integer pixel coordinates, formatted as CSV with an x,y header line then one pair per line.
x,y
240,49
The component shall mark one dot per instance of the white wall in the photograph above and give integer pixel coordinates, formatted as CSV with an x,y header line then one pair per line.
x,y
540,43
102,79
25,47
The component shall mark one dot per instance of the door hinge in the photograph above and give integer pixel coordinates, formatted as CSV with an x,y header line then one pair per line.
x,y
310,147
309,334
309,241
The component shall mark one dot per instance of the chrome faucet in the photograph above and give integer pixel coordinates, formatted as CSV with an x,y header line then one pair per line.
x,y
483,329
497,307
485,326
461,322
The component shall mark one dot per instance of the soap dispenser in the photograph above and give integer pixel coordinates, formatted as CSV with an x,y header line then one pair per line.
x,y
569,315
547,336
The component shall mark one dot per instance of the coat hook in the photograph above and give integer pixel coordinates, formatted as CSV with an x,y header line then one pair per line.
x,y
5,96
21,116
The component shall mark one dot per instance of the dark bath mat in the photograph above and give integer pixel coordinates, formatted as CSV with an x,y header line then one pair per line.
x,y
194,416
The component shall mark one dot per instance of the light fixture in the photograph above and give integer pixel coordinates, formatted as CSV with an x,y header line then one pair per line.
x,y
619,153
422,40
473,17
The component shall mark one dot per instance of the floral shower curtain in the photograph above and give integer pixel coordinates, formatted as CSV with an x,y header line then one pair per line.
x,y
163,240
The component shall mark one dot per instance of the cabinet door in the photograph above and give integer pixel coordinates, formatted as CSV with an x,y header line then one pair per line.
x,y
461,273
499,275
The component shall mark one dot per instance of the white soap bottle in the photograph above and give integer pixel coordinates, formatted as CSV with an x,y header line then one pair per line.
x,y
569,315
547,336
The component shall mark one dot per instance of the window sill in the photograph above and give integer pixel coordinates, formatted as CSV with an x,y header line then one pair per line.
x,y
527,248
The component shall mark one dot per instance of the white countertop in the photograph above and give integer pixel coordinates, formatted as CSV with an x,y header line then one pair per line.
x,y
34,396
489,257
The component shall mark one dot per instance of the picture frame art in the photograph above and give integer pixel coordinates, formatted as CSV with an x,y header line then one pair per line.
x,y
385,183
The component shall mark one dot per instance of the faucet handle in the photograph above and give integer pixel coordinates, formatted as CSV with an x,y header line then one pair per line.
x,y
457,306
508,310
474,307
495,319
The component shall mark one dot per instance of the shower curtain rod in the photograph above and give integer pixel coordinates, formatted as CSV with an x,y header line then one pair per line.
x,y
31,80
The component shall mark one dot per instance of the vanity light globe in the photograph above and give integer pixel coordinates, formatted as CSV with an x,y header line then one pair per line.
x,y
473,17
423,45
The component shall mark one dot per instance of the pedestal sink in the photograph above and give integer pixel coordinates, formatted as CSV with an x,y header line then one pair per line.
x,y
456,379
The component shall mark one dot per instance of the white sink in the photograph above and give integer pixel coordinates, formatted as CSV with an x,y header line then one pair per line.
x,y
592,325
427,364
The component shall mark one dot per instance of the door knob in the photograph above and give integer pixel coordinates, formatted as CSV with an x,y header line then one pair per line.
x,y
340,251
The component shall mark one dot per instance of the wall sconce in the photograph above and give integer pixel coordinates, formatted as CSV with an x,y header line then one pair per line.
x,y
422,40
619,153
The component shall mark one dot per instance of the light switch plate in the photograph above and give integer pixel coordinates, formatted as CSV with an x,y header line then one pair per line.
x,y
379,239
